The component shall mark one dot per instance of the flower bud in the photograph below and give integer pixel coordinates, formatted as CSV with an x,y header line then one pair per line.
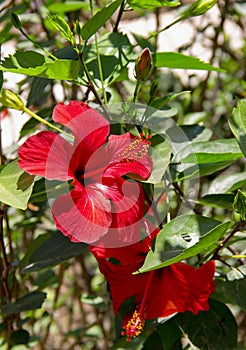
x,y
200,6
143,65
239,204
11,100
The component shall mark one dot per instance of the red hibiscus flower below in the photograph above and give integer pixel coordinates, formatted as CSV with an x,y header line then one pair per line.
x,y
158,293
101,203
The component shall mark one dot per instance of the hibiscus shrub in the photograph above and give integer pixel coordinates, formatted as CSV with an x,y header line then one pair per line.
x,y
122,215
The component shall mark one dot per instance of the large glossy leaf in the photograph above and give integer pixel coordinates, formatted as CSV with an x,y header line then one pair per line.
x,y
15,186
34,64
237,124
232,292
30,301
209,152
215,329
99,19
184,237
149,4
178,60
49,250
227,183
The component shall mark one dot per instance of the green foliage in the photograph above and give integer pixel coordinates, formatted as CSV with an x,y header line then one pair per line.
x,y
15,186
51,289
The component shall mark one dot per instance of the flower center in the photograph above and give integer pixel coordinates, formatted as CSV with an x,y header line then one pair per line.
x,y
136,150
134,326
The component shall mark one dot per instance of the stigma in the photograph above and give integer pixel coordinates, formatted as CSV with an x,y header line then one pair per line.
x,y
136,150
134,326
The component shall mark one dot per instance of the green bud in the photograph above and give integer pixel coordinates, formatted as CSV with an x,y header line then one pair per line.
x,y
200,6
15,20
239,204
143,65
11,100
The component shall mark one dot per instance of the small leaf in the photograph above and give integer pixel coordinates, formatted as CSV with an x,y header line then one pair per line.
x,y
30,301
62,26
15,186
49,251
150,4
98,20
220,200
67,6
177,60
237,123
21,336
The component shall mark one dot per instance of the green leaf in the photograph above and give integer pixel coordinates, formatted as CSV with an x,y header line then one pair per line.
x,y
62,26
237,123
15,186
177,60
231,292
150,4
34,64
67,6
184,171
21,336
227,183
220,200
184,237
170,335
30,301
99,19
214,329
53,250
209,152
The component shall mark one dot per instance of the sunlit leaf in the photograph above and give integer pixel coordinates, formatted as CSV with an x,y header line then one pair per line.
x,y
150,4
99,19
177,60
237,123
184,237
15,186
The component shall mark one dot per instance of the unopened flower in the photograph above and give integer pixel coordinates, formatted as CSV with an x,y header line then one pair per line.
x,y
143,65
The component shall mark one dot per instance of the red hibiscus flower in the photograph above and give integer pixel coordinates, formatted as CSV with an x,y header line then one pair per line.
x,y
101,200
158,293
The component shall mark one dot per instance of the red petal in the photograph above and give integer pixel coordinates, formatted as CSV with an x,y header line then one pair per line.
x,y
127,154
46,154
176,288
83,214
88,126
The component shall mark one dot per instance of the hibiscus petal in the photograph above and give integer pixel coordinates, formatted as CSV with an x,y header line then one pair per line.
x,y
88,126
179,288
46,154
83,214
128,154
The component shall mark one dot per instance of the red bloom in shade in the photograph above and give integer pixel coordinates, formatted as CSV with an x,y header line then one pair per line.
x,y
158,293
101,200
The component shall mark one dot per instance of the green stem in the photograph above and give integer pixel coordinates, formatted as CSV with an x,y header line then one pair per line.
x,y
135,95
43,121
37,45
99,64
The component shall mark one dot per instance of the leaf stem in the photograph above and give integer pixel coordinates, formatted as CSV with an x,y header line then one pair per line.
x,y
45,122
